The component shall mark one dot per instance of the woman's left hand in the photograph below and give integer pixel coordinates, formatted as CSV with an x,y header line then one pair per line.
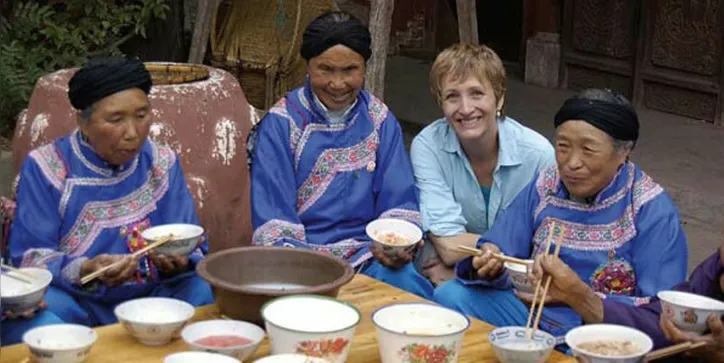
x,y
393,260
713,351
169,264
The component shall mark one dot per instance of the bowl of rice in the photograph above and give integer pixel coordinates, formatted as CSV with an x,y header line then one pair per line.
x,y
393,236
19,296
510,344
608,343
154,320
60,343
186,237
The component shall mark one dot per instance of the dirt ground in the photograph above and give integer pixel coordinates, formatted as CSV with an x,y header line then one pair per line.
x,y
683,155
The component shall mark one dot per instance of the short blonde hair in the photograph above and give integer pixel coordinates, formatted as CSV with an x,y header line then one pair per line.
x,y
463,60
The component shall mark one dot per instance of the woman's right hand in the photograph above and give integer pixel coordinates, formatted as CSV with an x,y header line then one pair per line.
x,y
124,271
486,265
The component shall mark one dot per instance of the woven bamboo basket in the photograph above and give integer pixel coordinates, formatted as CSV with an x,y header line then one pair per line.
x,y
258,42
169,73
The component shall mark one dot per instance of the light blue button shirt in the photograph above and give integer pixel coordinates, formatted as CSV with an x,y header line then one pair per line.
x,y
451,201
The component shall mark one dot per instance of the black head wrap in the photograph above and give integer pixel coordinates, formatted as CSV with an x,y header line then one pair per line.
x,y
618,120
334,28
102,77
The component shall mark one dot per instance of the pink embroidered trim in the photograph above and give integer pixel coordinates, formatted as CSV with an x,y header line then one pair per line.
x,y
594,237
378,111
275,230
303,99
309,129
331,162
50,164
39,257
406,214
96,216
281,109
71,271
549,182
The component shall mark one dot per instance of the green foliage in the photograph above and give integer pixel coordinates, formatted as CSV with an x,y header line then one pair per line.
x,y
36,40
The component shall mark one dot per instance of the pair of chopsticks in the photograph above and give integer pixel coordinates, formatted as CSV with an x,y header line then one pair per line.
x,y
540,301
92,276
673,350
499,256
18,274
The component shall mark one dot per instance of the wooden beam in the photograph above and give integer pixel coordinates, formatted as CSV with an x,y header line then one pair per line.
x,y
380,24
205,11
467,21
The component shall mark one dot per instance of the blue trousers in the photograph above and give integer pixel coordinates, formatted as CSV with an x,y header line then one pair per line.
x,y
502,308
406,278
78,309
13,329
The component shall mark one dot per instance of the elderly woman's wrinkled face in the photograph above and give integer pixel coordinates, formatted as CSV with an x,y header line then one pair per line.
x,y
119,125
469,106
587,158
336,76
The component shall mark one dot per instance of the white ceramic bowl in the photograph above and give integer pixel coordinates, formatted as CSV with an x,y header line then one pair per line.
x,y
60,343
154,320
19,296
519,276
689,311
511,345
229,328
381,230
311,325
290,358
186,238
608,332
198,357
409,332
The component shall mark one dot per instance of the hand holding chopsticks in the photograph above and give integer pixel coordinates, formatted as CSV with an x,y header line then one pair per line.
x,y
499,256
539,296
119,262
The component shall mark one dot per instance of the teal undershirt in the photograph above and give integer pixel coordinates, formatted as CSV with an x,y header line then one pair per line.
x,y
486,195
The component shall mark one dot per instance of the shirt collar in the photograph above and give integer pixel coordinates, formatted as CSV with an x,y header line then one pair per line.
x,y
508,154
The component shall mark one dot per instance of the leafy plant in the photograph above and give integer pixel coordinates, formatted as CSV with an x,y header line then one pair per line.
x,y
39,39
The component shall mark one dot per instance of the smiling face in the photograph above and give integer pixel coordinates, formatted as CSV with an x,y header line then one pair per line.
x,y
119,125
470,106
336,76
587,158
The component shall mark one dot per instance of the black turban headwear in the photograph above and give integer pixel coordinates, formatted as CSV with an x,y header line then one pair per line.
x,y
102,77
334,28
618,120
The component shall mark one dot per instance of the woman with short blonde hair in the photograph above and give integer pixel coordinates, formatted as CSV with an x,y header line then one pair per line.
x,y
470,164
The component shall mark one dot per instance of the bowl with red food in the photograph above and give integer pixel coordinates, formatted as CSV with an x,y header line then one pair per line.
x,y
234,338
394,236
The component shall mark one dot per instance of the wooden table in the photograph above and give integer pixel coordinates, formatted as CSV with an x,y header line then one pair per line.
x,y
115,345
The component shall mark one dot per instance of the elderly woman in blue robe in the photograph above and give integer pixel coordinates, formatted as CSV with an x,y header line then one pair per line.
x,y
329,158
84,199
623,236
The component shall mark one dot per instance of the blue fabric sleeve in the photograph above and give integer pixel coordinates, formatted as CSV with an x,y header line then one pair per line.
x,y
441,214
274,187
35,233
660,242
394,184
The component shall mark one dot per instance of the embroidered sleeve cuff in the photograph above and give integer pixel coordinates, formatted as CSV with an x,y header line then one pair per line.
x,y
71,271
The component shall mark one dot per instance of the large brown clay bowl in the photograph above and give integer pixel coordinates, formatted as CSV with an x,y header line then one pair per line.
x,y
245,278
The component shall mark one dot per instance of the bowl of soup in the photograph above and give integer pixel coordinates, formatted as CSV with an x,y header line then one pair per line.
x,y
393,235
290,358
607,343
419,332
19,296
689,311
311,325
256,275
519,275
186,237
60,343
198,357
238,339
154,320
511,344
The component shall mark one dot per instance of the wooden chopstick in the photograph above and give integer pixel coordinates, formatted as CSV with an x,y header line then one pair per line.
x,y
21,275
499,256
673,350
92,276
539,301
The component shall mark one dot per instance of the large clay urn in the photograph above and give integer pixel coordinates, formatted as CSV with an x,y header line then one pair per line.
x,y
205,122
